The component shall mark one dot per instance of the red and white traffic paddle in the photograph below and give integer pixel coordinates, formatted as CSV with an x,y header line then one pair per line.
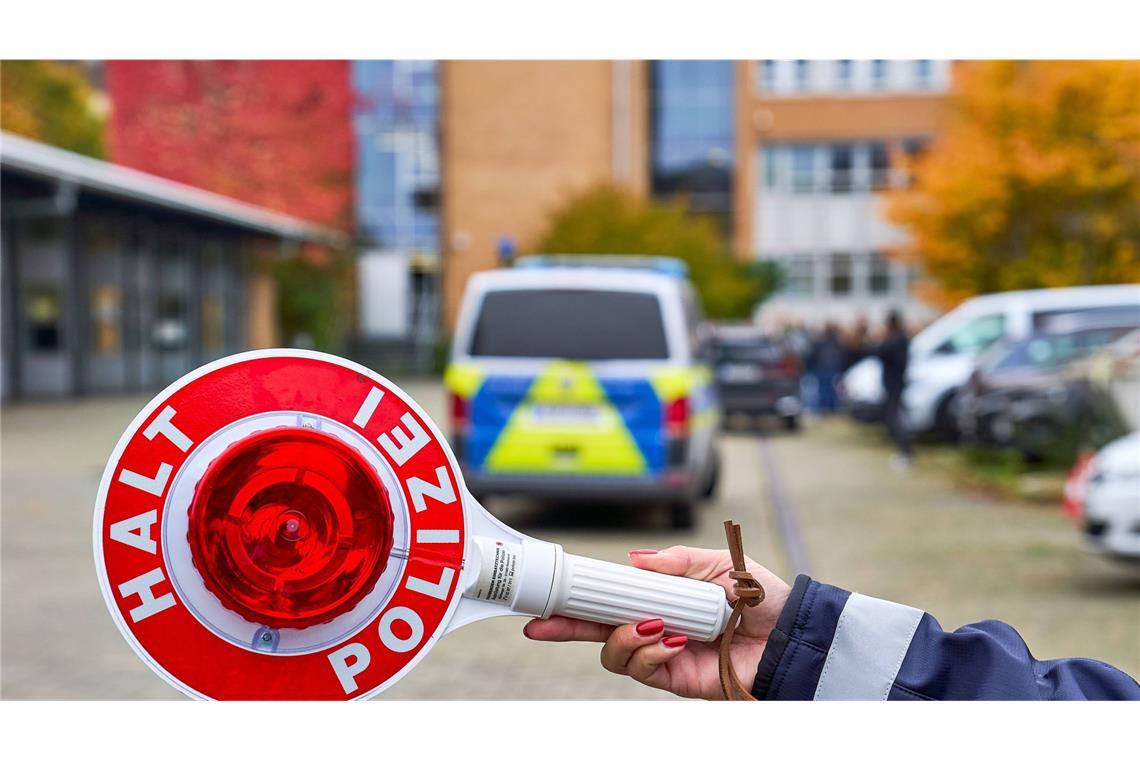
x,y
290,525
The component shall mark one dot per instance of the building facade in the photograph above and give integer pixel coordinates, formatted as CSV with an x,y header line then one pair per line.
x,y
443,168
277,134
821,142
114,280
397,181
519,138
791,158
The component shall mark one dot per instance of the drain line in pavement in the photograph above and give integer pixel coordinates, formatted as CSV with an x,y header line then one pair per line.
x,y
785,514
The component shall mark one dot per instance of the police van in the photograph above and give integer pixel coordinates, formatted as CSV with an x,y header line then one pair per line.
x,y
581,377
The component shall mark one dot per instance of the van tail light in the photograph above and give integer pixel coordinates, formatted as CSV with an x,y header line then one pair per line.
x,y
788,367
1076,485
677,417
459,413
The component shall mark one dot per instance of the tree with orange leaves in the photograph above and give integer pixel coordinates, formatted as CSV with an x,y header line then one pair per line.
x,y
1034,181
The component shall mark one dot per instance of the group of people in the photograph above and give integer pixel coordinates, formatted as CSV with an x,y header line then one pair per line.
x,y
829,353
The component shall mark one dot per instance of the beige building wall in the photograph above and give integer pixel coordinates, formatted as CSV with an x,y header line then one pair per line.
x,y
521,137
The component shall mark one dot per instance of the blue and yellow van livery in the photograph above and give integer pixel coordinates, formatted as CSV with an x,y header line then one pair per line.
x,y
620,408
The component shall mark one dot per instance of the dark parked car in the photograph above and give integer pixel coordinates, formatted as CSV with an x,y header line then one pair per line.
x,y
1034,395
756,375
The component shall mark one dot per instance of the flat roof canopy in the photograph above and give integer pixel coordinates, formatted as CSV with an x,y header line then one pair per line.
x,y
36,159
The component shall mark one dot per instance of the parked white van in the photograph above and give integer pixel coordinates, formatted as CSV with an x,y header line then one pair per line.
x,y
942,356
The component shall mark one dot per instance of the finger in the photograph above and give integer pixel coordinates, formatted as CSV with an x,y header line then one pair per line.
x,y
702,564
625,640
559,628
645,663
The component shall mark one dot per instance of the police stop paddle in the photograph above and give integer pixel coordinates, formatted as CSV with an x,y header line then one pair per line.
x,y
287,524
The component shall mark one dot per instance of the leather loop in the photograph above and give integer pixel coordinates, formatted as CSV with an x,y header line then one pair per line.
x,y
749,593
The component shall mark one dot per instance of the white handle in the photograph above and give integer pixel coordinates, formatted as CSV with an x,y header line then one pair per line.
x,y
605,592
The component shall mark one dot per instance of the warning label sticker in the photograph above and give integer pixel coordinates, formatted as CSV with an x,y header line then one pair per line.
x,y
500,566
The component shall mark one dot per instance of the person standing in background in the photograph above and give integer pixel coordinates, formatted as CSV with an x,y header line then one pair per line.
x,y
825,362
894,353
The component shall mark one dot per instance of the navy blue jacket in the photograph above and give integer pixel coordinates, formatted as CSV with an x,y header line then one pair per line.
x,y
834,644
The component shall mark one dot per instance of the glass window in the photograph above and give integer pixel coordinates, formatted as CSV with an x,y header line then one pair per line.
x,y
975,336
43,312
878,74
844,74
798,275
803,74
768,76
880,166
396,118
768,160
841,274
587,325
803,169
105,249
692,122
842,162
879,278
923,74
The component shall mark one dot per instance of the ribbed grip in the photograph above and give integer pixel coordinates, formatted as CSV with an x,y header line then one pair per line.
x,y
589,589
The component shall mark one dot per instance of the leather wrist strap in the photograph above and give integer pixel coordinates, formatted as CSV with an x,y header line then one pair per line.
x,y
749,593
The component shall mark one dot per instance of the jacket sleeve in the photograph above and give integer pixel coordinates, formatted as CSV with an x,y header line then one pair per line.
x,y
834,644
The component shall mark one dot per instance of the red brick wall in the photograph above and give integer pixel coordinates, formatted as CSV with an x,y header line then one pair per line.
x,y
274,133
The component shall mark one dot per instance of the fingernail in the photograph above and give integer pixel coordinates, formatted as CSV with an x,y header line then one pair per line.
x,y
642,551
526,631
650,627
675,641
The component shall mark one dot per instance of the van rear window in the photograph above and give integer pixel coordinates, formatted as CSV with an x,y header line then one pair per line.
x,y
589,325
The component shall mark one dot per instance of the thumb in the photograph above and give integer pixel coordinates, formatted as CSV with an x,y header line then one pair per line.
x,y
701,564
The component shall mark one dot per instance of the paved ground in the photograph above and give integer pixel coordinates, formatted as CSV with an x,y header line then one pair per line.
x,y
911,538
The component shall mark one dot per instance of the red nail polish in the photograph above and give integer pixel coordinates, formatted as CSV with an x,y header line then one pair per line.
x,y
643,551
675,641
650,627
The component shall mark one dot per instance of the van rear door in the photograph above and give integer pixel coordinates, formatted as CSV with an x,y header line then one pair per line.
x,y
567,388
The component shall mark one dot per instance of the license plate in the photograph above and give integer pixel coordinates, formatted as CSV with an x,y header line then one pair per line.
x,y
740,373
566,414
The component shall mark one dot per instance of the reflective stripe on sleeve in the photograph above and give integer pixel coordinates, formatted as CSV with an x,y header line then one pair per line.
x,y
871,639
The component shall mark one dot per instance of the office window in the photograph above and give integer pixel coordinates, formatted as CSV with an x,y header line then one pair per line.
x,y
692,122
844,74
396,114
878,74
880,166
768,76
923,74
842,279
798,275
43,315
803,169
769,158
842,161
879,278
803,74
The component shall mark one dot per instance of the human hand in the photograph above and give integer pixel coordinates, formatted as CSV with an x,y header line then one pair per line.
x,y
673,663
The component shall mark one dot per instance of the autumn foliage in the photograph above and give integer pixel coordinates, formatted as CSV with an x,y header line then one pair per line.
x,y
52,102
1033,182
606,220
274,133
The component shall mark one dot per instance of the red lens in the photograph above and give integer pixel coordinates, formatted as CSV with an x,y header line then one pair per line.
x,y
290,528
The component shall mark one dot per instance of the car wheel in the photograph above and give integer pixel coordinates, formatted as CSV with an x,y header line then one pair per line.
x,y
945,420
792,422
682,515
